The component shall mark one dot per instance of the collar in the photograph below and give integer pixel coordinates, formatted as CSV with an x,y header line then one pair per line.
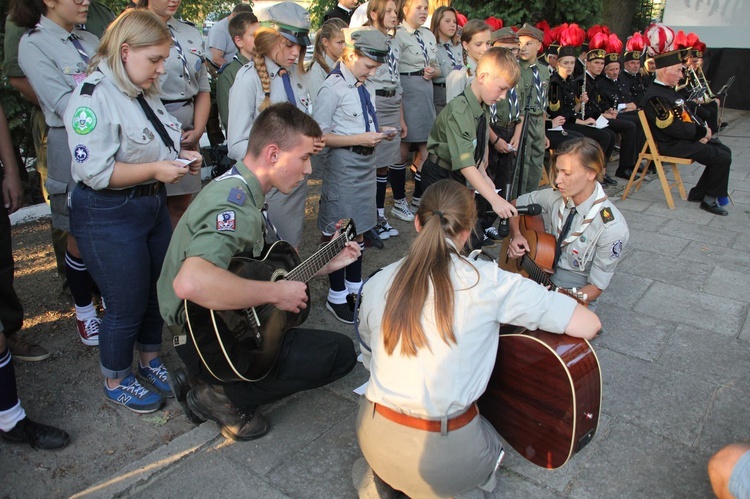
x,y
253,185
590,75
243,60
408,27
55,29
348,76
661,83
625,71
348,11
476,108
173,23
584,207
273,68
526,64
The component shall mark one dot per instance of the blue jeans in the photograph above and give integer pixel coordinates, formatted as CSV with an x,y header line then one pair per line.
x,y
123,240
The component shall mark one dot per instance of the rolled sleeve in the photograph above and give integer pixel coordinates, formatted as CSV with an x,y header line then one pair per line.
x,y
101,144
55,91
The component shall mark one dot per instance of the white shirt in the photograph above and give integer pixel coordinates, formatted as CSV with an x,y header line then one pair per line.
x,y
445,379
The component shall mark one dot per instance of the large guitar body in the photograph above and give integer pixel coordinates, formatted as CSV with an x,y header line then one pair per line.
x,y
242,345
544,395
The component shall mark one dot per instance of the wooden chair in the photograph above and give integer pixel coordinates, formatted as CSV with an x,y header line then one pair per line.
x,y
651,153
545,180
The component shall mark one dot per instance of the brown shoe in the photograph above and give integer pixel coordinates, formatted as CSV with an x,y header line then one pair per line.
x,y
22,349
210,402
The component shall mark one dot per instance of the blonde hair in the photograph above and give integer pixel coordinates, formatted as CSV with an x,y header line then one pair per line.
x,y
139,28
500,62
587,151
447,211
266,40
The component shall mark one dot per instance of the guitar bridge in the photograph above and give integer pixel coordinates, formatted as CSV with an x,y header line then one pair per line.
x,y
254,321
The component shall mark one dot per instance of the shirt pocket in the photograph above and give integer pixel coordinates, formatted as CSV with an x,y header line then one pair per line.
x,y
141,146
74,71
352,121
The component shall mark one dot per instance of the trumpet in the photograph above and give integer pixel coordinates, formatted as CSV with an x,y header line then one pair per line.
x,y
704,83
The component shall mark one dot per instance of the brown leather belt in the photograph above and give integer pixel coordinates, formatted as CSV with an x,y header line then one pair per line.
x,y
453,424
441,163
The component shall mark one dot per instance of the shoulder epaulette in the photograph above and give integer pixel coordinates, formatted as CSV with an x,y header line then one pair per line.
x,y
88,88
183,21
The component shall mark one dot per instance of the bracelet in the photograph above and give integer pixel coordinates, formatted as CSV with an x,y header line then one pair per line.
x,y
496,140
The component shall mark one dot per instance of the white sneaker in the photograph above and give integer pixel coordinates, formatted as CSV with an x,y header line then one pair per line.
x,y
401,210
384,229
415,203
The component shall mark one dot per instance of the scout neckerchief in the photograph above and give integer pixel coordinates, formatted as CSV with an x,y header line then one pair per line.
x,y
392,70
601,196
74,40
157,124
180,54
422,46
287,85
364,99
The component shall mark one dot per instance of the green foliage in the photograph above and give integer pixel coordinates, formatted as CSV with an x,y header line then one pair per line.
x,y
317,10
194,11
512,12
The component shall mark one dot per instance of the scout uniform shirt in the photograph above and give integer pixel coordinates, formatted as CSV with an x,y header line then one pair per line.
x,y
527,78
106,125
224,220
246,95
457,80
593,256
186,73
53,65
412,57
445,63
386,75
454,136
226,77
316,75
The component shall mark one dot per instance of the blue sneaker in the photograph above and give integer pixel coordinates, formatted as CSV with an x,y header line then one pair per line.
x,y
156,374
133,395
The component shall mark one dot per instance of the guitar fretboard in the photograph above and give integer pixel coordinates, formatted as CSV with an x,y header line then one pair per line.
x,y
535,273
307,269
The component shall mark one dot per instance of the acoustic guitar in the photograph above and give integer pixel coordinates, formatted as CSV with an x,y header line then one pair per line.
x,y
544,395
242,345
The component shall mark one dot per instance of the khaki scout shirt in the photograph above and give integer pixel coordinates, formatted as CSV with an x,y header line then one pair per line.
x,y
53,65
106,125
226,77
596,253
454,135
174,84
223,221
526,85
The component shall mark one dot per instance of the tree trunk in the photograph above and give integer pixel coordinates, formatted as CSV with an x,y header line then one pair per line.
x,y
618,15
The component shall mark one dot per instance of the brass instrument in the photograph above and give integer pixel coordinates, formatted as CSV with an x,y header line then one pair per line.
x,y
704,83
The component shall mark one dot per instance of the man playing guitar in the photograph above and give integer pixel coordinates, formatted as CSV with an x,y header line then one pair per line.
x,y
590,233
226,220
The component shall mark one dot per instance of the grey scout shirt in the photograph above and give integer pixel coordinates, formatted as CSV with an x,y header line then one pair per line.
x,y
53,65
338,109
175,85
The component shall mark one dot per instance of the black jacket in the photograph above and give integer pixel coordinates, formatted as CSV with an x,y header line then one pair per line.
x,y
675,133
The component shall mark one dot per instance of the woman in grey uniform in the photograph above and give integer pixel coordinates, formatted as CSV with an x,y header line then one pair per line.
x,y
53,56
418,66
346,113
185,92
276,74
329,45
444,26
124,151
383,15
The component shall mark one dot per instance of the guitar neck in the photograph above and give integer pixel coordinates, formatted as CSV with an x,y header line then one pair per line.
x,y
536,274
307,269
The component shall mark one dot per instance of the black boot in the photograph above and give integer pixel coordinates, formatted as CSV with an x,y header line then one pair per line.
x,y
38,435
210,402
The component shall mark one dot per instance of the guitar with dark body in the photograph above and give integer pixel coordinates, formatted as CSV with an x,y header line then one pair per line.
x,y
242,345
544,395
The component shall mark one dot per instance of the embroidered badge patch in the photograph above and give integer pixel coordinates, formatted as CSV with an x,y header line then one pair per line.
x,y
225,221
616,250
84,121
81,153
607,215
236,196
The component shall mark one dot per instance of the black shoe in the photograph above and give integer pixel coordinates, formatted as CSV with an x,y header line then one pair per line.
x,y
179,382
341,311
374,239
210,402
694,196
38,435
625,174
723,125
609,180
714,208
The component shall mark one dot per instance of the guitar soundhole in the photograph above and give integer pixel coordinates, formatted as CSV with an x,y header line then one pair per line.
x,y
584,440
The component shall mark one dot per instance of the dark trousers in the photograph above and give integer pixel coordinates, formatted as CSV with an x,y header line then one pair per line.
x,y
715,179
625,126
11,310
602,136
557,138
309,358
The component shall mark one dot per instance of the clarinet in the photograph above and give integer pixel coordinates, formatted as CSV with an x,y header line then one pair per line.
x,y
583,104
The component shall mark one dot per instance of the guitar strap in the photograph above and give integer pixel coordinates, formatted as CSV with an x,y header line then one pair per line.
x,y
601,196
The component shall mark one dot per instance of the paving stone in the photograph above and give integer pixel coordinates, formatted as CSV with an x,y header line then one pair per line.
x,y
632,334
511,483
701,233
660,467
638,221
742,243
745,334
631,204
715,358
667,402
719,256
668,269
625,289
684,210
672,303
728,283
724,419
656,242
